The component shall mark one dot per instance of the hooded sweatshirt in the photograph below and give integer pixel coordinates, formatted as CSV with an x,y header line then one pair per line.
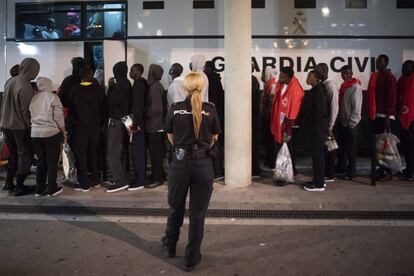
x,y
176,91
119,95
85,104
155,103
216,93
333,100
197,65
46,111
17,96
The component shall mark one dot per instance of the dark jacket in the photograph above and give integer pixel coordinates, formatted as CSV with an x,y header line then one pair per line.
x,y
216,92
85,105
255,103
155,103
315,109
17,96
119,95
66,85
139,92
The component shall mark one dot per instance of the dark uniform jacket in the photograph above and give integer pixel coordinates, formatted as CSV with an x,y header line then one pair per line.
x,y
179,122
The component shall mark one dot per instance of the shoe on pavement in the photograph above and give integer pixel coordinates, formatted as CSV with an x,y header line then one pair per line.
x,y
135,187
219,177
189,266
96,185
81,188
329,179
313,188
169,249
23,190
154,184
40,191
57,190
8,186
117,188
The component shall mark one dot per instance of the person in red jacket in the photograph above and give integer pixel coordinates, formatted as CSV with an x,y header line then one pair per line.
x,y
285,109
406,116
382,104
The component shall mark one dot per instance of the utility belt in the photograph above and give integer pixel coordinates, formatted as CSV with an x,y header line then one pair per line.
x,y
190,153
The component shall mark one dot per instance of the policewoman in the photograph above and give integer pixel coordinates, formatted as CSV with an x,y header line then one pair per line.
x,y
192,128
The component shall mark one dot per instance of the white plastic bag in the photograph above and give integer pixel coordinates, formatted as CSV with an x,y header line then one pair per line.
x,y
284,167
387,151
68,163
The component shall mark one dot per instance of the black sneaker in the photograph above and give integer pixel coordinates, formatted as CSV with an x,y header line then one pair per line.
x,y
55,191
40,191
8,186
117,188
383,177
81,188
23,190
96,185
219,177
135,187
154,184
407,178
329,179
311,187
168,248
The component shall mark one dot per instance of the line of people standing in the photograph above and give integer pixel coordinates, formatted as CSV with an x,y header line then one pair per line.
x,y
327,113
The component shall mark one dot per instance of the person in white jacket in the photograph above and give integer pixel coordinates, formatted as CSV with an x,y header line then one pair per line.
x,y
176,90
47,132
197,65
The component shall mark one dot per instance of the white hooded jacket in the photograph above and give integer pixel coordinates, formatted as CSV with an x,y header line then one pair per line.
x,y
176,91
46,111
197,65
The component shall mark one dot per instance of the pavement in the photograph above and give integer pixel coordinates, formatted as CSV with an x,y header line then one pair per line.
x,y
97,244
262,194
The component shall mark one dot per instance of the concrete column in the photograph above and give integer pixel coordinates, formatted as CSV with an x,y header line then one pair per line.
x,y
238,107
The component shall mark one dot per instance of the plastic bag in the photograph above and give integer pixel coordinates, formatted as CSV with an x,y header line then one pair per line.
x,y
387,151
331,144
4,150
284,167
68,163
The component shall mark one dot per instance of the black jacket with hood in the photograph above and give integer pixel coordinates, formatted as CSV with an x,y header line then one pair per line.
x,y
155,104
139,94
119,96
17,96
85,104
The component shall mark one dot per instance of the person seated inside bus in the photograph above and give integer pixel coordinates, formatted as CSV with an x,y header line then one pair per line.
x,y
50,32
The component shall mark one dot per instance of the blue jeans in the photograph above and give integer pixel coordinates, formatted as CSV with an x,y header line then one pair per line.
x,y
138,157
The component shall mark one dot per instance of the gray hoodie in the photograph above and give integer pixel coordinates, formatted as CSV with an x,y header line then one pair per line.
x,y
197,65
351,104
17,96
155,102
46,111
333,100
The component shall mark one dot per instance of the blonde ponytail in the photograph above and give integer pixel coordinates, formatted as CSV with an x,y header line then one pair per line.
x,y
194,83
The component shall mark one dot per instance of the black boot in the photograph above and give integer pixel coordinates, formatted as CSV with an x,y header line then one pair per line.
x,y
168,247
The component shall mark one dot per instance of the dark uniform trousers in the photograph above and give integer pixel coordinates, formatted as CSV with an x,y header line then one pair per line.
x,y
196,175
48,153
21,154
347,151
115,155
85,145
269,143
